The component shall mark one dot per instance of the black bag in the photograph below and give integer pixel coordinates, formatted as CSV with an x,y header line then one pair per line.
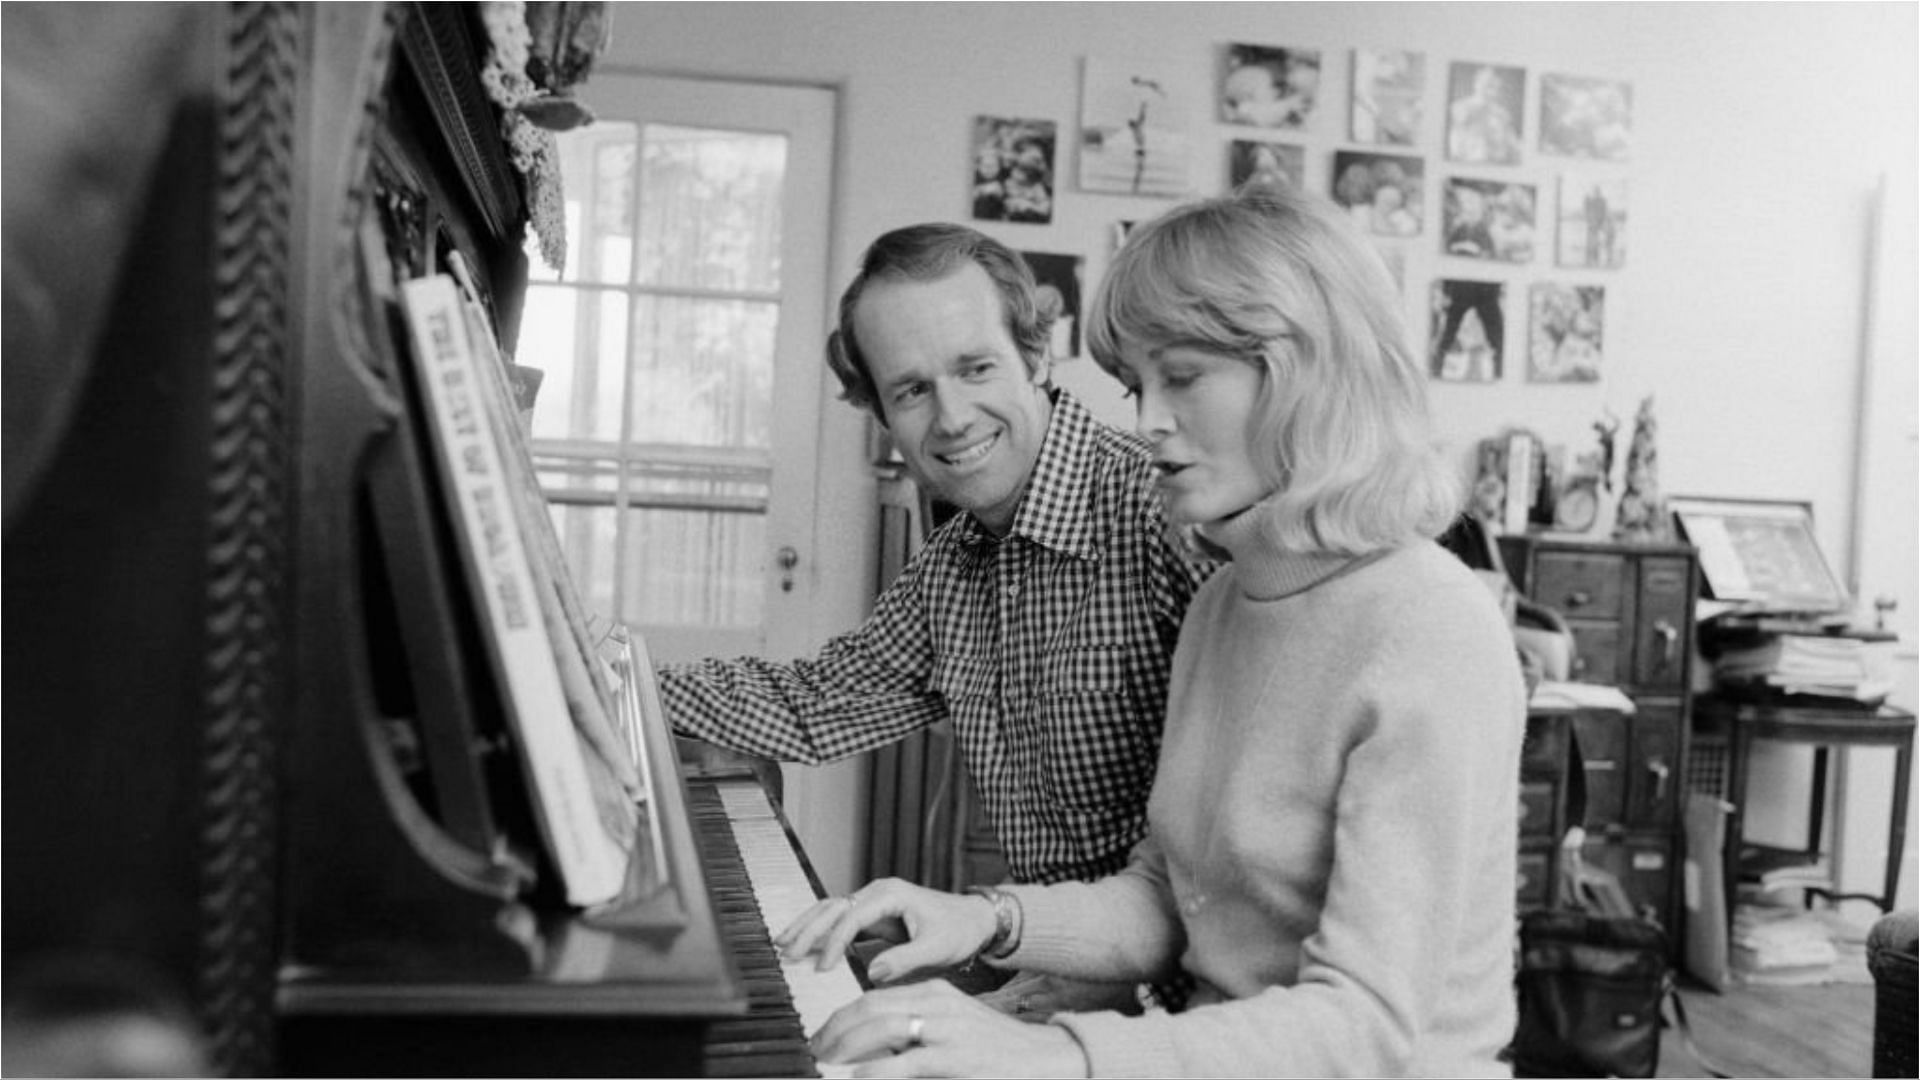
x,y
1593,973
1590,990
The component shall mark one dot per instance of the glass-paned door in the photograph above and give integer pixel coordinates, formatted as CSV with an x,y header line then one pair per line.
x,y
681,347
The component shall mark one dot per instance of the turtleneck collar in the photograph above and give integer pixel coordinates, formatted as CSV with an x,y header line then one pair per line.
x,y
1265,570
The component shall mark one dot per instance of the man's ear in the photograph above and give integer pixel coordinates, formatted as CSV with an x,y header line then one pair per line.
x,y
1042,370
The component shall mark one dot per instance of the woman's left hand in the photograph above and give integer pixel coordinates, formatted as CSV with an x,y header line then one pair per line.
x,y
934,1029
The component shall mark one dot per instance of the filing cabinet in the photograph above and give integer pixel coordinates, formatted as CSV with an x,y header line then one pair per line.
x,y
1630,609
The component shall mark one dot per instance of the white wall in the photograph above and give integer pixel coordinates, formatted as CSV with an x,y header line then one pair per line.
x,y
1760,131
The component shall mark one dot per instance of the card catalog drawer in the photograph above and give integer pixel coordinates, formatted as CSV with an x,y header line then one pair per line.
x,y
1579,585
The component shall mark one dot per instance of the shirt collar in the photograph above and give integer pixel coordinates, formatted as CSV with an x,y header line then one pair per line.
x,y
1057,510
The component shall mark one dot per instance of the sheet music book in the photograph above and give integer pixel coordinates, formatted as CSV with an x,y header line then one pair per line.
x,y
589,855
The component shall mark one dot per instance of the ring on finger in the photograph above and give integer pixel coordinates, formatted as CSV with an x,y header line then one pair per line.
x,y
916,1030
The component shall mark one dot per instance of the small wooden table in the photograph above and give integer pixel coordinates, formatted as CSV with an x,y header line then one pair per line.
x,y
1824,728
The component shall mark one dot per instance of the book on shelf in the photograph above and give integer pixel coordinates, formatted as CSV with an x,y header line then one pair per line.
x,y
582,837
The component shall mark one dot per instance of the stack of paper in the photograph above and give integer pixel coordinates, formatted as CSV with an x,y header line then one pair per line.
x,y
1781,946
1823,666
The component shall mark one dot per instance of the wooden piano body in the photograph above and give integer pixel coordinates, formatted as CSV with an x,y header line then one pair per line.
x,y
255,763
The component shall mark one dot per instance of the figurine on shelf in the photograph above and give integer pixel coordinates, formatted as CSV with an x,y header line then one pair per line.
x,y
1605,430
1642,515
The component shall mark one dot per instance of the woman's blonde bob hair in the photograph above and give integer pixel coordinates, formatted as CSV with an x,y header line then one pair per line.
x,y
1283,279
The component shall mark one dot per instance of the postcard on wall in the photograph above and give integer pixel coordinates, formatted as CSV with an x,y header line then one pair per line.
x,y
1469,331
1484,105
1265,86
1585,118
1566,321
1013,169
1383,192
1251,160
1389,87
1059,277
1135,117
1488,219
1593,222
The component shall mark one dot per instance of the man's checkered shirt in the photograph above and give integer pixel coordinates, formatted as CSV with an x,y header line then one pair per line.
x,y
1048,649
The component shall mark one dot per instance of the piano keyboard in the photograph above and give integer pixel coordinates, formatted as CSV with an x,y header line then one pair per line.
x,y
760,885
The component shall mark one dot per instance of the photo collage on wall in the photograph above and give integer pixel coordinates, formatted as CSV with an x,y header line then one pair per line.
x,y
1498,225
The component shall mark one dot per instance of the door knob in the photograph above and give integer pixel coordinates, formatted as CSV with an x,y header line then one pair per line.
x,y
788,558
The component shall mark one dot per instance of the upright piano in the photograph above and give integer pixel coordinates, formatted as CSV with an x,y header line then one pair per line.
x,y
259,772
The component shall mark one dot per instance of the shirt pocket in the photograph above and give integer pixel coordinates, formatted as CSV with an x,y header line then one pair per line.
x,y
1098,747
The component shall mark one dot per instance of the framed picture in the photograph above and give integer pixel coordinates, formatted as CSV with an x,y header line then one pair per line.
x,y
1566,323
1469,331
1381,191
1134,120
1013,169
1263,86
1059,277
1585,118
1488,219
1389,88
1593,223
1266,162
1484,105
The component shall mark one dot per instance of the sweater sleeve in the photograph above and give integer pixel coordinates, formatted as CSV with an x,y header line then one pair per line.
x,y
1122,928
1422,855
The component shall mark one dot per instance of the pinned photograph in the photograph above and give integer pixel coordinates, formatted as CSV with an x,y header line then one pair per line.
x,y
1388,96
1567,321
1381,191
1585,118
1134,121
1013,169
1059,279
1486,219
1484,106
1469,329
1263,86
1593,223
1250,160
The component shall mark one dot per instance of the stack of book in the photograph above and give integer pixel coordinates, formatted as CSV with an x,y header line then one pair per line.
x,y
1828,667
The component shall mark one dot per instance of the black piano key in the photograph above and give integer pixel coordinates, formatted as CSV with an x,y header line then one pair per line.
x,y
768,1040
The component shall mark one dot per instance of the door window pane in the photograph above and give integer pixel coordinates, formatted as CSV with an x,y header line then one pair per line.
x,y
703,371
710,209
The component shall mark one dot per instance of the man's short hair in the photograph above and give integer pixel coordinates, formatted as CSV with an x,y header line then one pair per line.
x,y
930,252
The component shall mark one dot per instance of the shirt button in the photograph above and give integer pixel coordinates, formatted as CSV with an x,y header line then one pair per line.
x,y
1193,904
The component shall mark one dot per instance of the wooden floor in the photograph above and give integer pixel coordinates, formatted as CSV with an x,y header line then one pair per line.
x,y
1807,1031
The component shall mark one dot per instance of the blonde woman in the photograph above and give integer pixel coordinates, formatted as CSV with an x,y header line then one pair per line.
x,y
1330,856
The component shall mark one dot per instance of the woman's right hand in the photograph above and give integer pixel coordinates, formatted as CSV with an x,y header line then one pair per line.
x,y
942,929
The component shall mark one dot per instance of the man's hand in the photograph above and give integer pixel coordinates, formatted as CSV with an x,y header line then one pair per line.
x,y
941,929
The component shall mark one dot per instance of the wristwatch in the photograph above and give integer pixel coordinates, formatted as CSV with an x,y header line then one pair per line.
x,y
1006,922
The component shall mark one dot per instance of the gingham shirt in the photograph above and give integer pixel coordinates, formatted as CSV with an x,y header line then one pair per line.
x,y
1048,649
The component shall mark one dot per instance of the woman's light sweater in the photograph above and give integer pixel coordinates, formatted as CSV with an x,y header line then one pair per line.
x,y
1332,830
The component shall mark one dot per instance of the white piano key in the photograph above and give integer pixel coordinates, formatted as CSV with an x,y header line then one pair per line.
x,y
783,891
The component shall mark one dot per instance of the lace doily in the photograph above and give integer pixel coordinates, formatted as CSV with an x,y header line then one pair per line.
x,y
532,149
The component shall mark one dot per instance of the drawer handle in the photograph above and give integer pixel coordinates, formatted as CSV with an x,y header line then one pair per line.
x,y
1579,598
1660,773
1669,640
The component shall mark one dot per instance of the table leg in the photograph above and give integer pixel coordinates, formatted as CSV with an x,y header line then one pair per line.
x,y
1897,831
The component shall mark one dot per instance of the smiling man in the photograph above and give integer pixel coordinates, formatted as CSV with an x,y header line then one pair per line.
x,y
1040,619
